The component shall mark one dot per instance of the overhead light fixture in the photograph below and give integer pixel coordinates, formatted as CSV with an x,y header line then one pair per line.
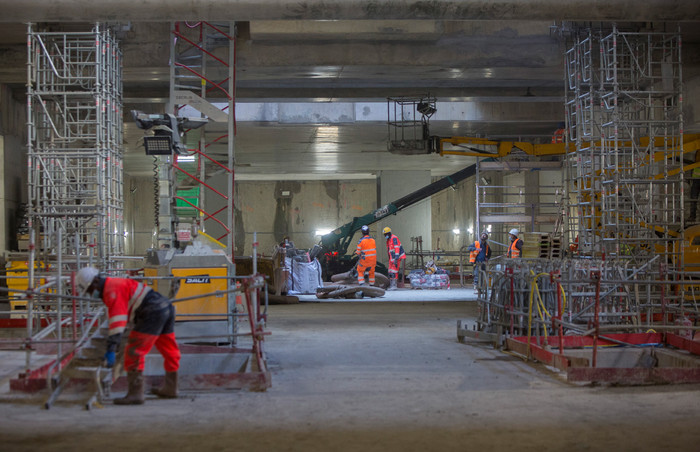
x,y
455,231
426,108
320,232
167,130
158,145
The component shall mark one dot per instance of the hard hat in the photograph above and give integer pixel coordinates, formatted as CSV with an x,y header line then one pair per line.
x,y
513,232
84,278
484,235
365,229
387,230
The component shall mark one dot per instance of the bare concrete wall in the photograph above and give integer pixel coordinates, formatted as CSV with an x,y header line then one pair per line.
x,y
691,105
414,221
139,210
297,209
13,131
454,209
265,207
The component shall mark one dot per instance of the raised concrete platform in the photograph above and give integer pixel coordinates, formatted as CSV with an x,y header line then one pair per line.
x,y
404,295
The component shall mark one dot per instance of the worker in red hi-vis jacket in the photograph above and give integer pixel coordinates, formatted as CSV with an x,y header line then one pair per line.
x,y
153,318
396,255
367,250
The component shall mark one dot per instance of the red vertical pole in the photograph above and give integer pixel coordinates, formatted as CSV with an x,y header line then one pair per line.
x,y
74,323
509,271
663,296
596,318
556,276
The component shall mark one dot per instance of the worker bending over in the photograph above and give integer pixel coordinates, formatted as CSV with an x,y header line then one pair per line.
x,y
516,244
396,255
479,254
367,250
153,318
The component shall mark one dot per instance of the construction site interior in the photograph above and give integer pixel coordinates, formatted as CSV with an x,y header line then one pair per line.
x,y
227,154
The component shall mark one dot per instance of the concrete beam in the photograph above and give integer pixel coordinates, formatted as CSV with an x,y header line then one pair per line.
x,y
243,10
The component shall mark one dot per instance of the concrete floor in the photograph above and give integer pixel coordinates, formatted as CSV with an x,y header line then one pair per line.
x,y
377,376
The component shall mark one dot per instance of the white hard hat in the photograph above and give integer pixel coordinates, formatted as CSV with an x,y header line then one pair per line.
x,y
365,229
84,278
514,232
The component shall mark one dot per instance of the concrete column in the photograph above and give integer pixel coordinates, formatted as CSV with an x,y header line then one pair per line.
x,y
139,212
532,197
413,221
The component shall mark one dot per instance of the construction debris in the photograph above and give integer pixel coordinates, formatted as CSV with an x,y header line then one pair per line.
x,y
350,277
341,291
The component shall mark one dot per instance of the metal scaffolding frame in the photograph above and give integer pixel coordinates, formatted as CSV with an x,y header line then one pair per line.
x,y
203,75
75,183
75,129
624,114
625,270
502,207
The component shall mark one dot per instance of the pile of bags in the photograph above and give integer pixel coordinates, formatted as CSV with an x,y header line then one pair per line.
x,y
432,277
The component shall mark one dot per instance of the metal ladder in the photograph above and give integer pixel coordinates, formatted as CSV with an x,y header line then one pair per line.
x,y
86,368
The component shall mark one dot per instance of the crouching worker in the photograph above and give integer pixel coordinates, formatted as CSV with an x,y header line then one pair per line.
x,y
153,319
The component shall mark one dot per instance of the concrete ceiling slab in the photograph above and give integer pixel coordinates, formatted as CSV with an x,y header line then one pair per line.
x,y
509,71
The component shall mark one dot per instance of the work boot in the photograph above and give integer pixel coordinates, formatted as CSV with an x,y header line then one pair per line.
x,y
134,395
392,284
169,388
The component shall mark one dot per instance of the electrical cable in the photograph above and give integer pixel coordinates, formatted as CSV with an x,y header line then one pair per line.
x,y
156,194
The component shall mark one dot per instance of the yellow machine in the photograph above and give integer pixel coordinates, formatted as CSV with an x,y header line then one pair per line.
x,y
691,251
18,279
197,275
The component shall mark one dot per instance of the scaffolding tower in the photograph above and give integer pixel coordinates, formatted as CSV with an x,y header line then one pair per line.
x,y
74,111
624,116
624,270
203,83
623,109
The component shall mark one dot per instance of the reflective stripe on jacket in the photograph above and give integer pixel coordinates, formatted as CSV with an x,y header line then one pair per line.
x,y
394,248
122,297
513,251
473,254
367,249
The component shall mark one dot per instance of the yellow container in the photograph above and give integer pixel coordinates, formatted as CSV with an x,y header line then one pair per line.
x,y
18,275
196,281
18,279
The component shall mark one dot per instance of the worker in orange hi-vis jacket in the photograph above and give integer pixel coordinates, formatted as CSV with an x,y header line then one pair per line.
x,y
479,254
396,255
516,245
153,318
367,250
558,136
